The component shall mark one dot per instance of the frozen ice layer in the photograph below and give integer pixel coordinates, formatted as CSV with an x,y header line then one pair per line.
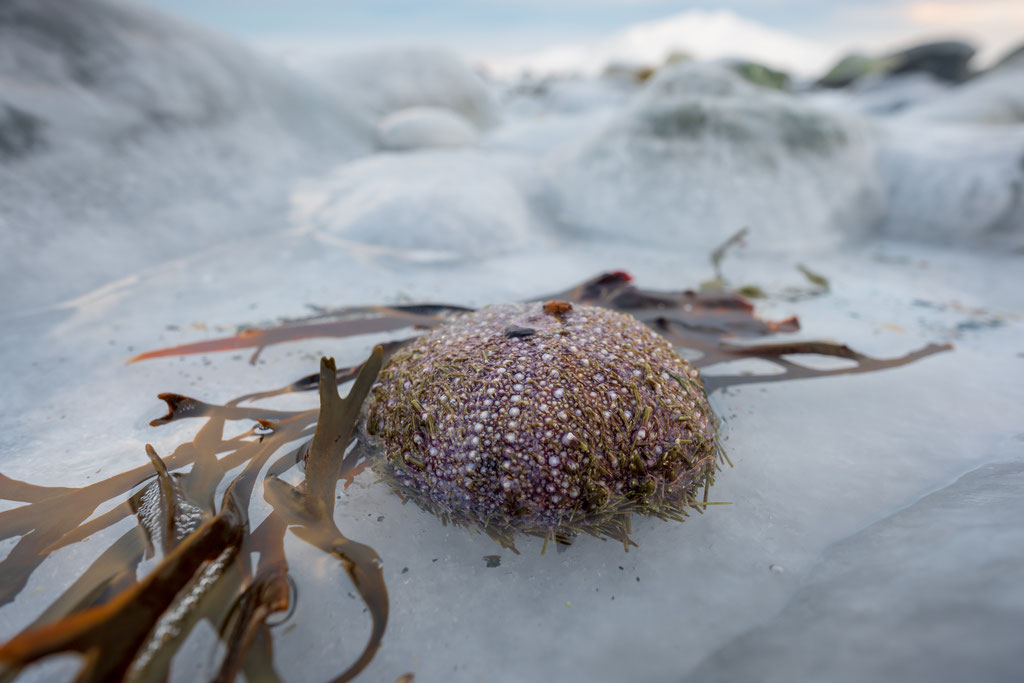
x,y
932,573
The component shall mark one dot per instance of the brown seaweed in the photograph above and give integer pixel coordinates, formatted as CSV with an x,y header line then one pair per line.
x,y
127,627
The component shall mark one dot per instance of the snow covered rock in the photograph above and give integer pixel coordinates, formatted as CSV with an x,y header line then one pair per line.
x,y
884,96
382,81
701,153
418,127
121,72
1012,59
127,137
954,183
993,98
433,205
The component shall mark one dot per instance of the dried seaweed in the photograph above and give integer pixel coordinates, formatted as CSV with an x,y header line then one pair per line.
x,y
127,627
345,322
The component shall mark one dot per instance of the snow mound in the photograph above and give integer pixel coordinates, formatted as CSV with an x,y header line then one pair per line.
x,y
381,81
418,127
435,205
128,137
701,153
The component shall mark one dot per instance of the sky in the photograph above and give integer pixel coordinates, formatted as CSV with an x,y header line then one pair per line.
x,y
479,27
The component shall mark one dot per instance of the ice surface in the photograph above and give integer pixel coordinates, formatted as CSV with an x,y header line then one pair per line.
x,y
816,461
876,524
895,577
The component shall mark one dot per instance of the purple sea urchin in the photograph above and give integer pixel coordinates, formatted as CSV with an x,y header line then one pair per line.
x,y
543,419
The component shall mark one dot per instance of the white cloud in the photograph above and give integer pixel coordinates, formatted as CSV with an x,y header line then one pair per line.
x,y
979,12
705,35
994,26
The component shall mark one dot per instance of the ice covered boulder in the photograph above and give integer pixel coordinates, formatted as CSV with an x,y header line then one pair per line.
x,y
418,127
115,72
881,96
953,163
127,137
1012,59
384,80
893,94
701,153
431,205
995,97
954,183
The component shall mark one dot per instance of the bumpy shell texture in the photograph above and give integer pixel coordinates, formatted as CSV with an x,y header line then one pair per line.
x,y
546,419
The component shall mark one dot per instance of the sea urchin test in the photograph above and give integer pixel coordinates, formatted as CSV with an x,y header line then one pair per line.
x,y
544,418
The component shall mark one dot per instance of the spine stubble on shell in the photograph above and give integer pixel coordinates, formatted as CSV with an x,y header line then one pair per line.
x,y
543,419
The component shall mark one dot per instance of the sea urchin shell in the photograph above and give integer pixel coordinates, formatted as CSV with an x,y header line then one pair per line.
x,y
545,419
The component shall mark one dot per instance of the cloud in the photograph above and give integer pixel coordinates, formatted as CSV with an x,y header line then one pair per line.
x,y
702,34
980,12
996,25
993,26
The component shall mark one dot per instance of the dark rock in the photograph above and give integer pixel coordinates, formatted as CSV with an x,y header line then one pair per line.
x,y
948,60
134,119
